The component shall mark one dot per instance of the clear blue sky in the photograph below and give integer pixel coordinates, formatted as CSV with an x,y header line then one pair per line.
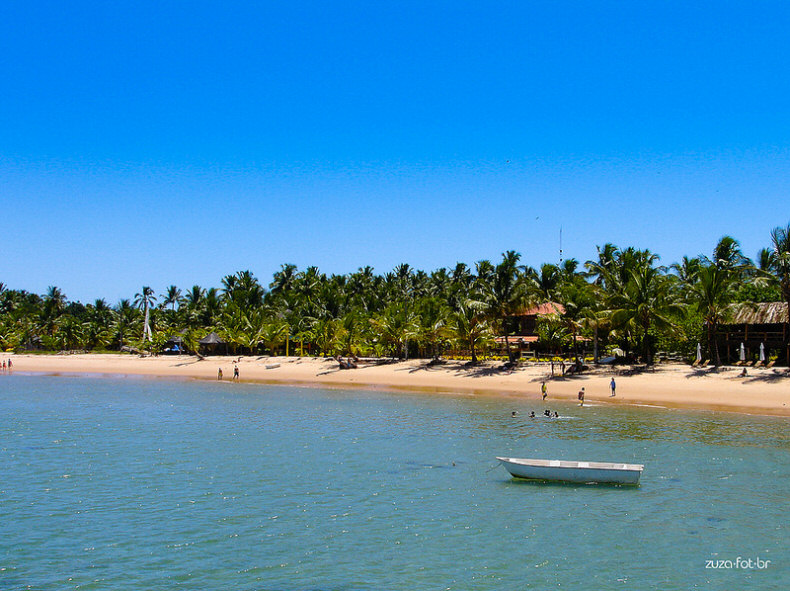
x,y
157,143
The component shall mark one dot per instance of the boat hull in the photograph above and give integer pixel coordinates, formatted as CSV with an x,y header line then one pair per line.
x,y
579,472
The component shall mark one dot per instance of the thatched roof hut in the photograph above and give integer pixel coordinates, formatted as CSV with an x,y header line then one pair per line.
x,y
754,325
211,339
763,313
211,343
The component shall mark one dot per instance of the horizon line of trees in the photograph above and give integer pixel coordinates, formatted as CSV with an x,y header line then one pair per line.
x,y
621,298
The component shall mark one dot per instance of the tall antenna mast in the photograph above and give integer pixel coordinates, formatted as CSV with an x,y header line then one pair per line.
x,y
560,246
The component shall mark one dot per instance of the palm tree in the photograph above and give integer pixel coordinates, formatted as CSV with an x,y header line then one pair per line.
x,y
143,301
273,334
687,268
172,297
283,279
603,271
433,315
307,286
711,289
645,302
552,332
70,333
544,285
253,328
470,328
353,325
327,334
54,306
395,326
579,301
243,289
505,293
727,254
211,306
194,296
779,265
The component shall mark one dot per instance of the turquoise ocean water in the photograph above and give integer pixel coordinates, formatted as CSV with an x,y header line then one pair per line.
x,y
131,484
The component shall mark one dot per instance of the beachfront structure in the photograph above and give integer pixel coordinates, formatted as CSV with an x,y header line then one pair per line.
x,y
752,325
522,326
175,344
525,322
212,344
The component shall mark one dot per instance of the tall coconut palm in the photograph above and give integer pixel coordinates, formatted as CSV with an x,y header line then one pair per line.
x,y
727,254
552,332
645,302
353,325
327,334
544,285
194,296
172,297
243,289
579,301
253,328
143,301
211,307
603,270
360,290
283,279
505,292
122,325
433,315
687,268
395,326
470,328
274,334
54,306
461,280
711,289
779,266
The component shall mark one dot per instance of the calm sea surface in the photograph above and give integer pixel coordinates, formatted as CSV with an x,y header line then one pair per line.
x,y
151,484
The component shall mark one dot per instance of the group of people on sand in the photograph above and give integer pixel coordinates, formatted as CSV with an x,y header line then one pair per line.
x,y
7,365
235,377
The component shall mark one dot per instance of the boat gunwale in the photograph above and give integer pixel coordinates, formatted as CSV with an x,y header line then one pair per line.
x,y
573,465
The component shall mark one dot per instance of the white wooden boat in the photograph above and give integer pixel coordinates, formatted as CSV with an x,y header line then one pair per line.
x,y
564,471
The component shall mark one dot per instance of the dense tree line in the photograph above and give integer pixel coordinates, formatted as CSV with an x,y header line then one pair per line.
x,y
622,297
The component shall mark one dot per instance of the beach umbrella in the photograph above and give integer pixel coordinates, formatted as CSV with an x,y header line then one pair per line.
x,y
699,352
762,351
743,353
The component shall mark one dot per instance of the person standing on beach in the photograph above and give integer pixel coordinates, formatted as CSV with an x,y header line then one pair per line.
x,y
613,386
219,373
236,372
581,397
544,390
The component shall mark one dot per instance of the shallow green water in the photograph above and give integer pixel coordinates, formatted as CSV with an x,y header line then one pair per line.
x,y
143,484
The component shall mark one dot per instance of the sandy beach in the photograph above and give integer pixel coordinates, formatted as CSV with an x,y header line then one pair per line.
x,y
763,391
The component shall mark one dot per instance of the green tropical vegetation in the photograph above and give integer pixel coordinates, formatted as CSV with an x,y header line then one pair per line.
x,y
622,298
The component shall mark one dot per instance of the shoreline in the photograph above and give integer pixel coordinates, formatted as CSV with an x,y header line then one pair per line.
x,y
763,391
